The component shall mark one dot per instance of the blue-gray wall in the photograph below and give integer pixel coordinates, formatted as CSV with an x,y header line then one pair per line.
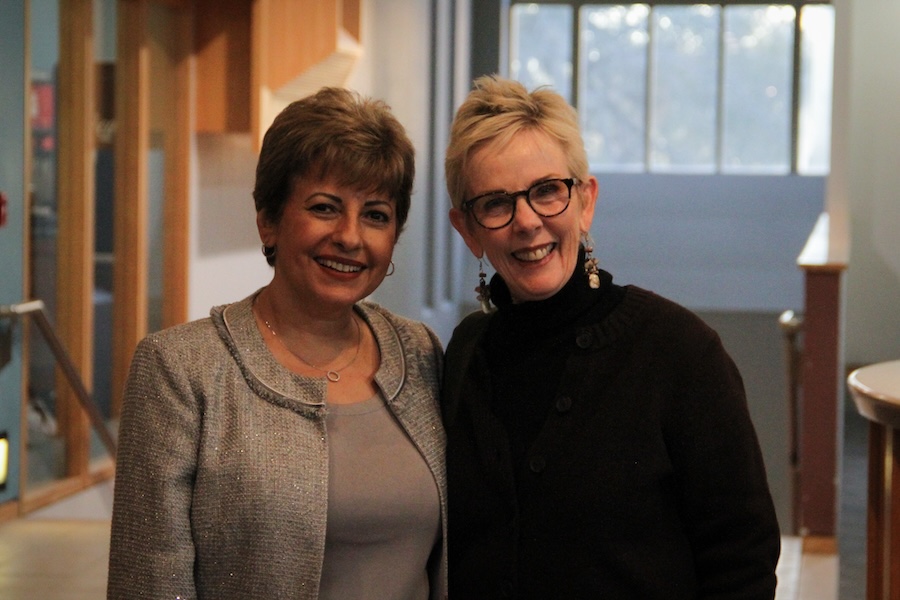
x,y
709,242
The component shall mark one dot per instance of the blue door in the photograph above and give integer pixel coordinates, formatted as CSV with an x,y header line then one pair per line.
x,y
12,235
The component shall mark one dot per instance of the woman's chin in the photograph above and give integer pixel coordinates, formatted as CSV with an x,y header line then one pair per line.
x,y
526,291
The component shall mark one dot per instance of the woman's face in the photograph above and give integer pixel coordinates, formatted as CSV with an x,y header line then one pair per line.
x,y
535,255
334,244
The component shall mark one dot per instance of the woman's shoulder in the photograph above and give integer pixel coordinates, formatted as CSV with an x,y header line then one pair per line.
x,y
384,322
186,334
646,310
195,335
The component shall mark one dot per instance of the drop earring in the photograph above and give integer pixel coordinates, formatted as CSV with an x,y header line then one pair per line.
x,y
590,263
484,291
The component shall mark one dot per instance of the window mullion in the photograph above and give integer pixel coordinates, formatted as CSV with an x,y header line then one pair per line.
x,y
720,93
648,93
576,75
795,93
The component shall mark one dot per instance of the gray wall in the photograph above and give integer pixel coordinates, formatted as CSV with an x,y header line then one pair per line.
x,y
866,183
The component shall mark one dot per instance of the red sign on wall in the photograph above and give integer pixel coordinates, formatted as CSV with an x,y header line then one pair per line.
x,y
3,209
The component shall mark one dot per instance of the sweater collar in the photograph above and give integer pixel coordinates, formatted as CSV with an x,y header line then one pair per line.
x,y
237,328
547,316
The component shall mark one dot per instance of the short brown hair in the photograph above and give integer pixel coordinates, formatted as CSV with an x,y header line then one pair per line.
x,y
495,110
338,134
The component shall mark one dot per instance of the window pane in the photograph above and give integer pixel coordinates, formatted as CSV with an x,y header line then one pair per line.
x,y
685,41
757,89
612,85
541,46
816,60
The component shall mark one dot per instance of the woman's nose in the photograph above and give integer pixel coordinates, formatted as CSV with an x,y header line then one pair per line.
x,y
525,217
347,232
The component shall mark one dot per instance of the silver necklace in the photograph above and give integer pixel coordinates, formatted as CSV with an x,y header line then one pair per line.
x,y
333,375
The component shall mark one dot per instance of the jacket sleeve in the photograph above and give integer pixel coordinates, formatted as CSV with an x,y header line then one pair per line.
x,y
726,501
151,546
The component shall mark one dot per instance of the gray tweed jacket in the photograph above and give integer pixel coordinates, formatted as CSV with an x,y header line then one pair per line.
x,y
222,468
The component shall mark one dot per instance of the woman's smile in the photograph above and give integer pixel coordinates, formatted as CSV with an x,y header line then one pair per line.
x,y
341,265
534,254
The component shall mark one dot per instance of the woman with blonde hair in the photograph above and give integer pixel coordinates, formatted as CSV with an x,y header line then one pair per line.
x,y
599,443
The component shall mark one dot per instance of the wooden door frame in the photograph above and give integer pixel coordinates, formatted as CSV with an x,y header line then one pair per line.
x,y
76,205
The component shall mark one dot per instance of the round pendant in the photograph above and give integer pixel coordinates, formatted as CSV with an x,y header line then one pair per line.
x,y
333,376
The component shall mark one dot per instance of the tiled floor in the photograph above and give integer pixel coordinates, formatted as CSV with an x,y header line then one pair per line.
x,y
61,552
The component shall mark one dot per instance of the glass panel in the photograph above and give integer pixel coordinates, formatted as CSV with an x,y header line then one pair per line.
x,y
816,72
612,85
757,90
104,192
46,445
541,46
163,32
684,88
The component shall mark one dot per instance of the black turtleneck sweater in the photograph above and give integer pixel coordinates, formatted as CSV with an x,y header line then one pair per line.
x,y
528,345
599,446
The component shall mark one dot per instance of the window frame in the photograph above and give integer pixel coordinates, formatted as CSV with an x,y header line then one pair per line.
x,y
576,5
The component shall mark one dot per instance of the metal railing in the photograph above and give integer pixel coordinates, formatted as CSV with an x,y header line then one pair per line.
x,y
36,310
791,326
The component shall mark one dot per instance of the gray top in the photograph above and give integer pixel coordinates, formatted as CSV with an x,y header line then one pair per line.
x,y
383,508
222,471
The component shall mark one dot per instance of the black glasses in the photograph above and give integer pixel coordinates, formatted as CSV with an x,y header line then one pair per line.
x,y
495,210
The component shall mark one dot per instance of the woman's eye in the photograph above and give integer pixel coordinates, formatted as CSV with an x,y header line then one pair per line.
x,y
545,190
496,203
379,216
323,208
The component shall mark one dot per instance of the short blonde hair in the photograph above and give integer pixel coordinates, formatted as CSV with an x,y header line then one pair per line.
x,y
495,110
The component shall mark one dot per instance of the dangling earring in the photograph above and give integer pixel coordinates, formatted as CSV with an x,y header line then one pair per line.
x,y
268,251
391,272
484,291
590,263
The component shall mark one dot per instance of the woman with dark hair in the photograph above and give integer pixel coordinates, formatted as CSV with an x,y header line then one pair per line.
x,y
598,438
290,445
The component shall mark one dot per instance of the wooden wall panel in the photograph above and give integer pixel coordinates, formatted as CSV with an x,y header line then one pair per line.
x,y
75,242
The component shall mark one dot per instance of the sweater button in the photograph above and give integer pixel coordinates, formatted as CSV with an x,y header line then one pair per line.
x,y
584,339
563,404
537,464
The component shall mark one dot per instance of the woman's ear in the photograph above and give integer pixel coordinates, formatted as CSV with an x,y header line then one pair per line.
x,y
461,223
589,192
266,229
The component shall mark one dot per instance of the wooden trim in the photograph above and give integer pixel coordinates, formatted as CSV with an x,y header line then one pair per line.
x,y
52,492
75,241
821,384
351,18
61,489
822,379
130,220
820,253
9,511
26,274
818,544
176,210
883,517
875,517
222,49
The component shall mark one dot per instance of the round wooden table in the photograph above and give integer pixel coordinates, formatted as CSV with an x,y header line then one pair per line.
x,y
876,392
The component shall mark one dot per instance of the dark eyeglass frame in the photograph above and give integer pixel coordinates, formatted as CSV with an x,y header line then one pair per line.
x,y
514,196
